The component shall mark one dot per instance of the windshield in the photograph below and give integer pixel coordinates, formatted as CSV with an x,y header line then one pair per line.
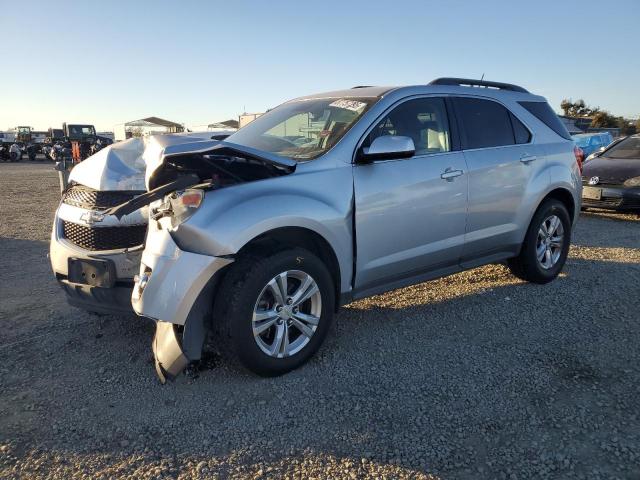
x,y
627,148
303,129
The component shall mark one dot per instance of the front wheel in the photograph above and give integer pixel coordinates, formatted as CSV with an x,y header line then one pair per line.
x,y
274,312
546,244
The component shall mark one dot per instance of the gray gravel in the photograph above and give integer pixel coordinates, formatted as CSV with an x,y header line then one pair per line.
x,y
473,376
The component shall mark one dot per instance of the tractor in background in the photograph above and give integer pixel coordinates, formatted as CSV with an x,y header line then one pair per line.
x,y
25,141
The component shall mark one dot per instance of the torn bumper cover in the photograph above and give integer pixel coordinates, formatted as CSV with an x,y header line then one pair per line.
x,y
169,357
175,288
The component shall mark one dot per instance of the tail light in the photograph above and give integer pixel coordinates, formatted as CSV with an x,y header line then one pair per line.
x,y
579,154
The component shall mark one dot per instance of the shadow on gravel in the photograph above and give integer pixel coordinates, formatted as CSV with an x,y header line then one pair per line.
x,y
596,230
472,375
610,215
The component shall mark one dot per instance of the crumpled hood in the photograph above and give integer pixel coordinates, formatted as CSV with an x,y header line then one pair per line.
x,y
163,148
117,167
612,170
122,166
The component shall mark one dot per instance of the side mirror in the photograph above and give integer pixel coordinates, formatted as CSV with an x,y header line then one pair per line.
x,y
387,147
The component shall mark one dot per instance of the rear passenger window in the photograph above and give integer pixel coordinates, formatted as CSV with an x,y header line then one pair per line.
x,y
522,134
485,123
546,115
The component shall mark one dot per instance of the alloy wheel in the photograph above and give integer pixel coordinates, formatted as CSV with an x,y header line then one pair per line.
x,y
287,313
550,242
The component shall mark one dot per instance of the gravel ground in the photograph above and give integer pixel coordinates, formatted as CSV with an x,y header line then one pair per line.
x,y
472,376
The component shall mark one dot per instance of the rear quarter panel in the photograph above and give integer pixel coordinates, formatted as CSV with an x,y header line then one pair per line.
x,y
564,172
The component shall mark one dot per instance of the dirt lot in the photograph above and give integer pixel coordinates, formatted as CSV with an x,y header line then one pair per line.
x,y
473,376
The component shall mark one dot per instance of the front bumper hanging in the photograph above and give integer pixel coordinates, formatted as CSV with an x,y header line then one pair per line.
x,y
175,288
175,346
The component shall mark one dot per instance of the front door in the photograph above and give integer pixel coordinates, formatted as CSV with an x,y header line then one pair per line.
x,y
410,213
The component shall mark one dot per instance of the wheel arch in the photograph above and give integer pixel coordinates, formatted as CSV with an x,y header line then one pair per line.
x,y
281,238
562,195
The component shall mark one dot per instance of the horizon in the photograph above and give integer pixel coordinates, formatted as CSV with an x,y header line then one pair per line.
x,y
214,61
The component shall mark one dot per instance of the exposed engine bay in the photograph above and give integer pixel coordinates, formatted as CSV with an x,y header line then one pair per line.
x,y
220,169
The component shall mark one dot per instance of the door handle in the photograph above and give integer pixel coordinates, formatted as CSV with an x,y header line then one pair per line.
x,y
525,158
449,174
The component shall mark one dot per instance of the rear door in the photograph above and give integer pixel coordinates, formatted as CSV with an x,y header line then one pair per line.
x,y
410,213
502,161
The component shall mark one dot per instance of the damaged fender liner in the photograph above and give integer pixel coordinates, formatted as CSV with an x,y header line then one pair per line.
x,y
174,347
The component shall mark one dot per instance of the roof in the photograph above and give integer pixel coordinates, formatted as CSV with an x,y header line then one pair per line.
x,y
369,92
151,121
352,92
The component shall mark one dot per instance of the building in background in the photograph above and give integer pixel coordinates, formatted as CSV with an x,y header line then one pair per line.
x,y
247,118
145,127
226,125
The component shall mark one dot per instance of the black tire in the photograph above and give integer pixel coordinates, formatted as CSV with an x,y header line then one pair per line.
x,y
526,265
236,299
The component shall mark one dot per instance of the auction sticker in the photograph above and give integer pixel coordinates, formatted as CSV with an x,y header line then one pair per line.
x,y
352,105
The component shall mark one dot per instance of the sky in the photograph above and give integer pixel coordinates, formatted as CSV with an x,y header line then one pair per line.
x,y
196,63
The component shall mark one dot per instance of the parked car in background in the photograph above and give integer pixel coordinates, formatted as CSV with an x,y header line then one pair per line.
x,y
95,256
592,142
342,195
611,178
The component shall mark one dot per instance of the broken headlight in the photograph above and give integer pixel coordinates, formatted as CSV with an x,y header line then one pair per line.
x,y
184,204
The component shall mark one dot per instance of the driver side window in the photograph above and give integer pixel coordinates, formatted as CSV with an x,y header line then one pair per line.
x,y
424,120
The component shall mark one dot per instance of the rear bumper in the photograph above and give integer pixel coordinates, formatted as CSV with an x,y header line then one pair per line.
x,y
616,198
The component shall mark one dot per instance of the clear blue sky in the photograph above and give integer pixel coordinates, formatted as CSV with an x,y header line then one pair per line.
x,y
193,62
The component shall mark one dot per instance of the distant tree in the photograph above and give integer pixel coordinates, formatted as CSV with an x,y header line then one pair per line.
x,y
604,119
578,108
566,106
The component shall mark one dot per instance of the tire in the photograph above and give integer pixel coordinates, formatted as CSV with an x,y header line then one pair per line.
x,y
245,291
527,265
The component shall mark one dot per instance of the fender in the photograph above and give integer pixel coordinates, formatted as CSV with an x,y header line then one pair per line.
x,y
230,218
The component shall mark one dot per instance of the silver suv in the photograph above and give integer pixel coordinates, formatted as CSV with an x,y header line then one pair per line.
x,y
341,195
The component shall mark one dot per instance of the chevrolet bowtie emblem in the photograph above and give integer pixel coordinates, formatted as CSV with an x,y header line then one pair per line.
x,y
91,217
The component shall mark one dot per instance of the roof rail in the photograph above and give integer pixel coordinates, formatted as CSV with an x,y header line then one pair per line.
x,y
361,86
477,83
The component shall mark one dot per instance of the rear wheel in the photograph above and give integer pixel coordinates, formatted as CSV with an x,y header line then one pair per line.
x,y
546,244
274,312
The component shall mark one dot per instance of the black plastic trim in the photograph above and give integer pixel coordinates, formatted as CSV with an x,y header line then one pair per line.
x,y
477,83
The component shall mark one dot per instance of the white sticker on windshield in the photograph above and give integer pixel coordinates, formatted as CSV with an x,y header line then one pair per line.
x,y
352,105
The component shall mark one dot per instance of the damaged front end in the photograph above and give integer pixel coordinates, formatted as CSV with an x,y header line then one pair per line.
x,y
176,283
